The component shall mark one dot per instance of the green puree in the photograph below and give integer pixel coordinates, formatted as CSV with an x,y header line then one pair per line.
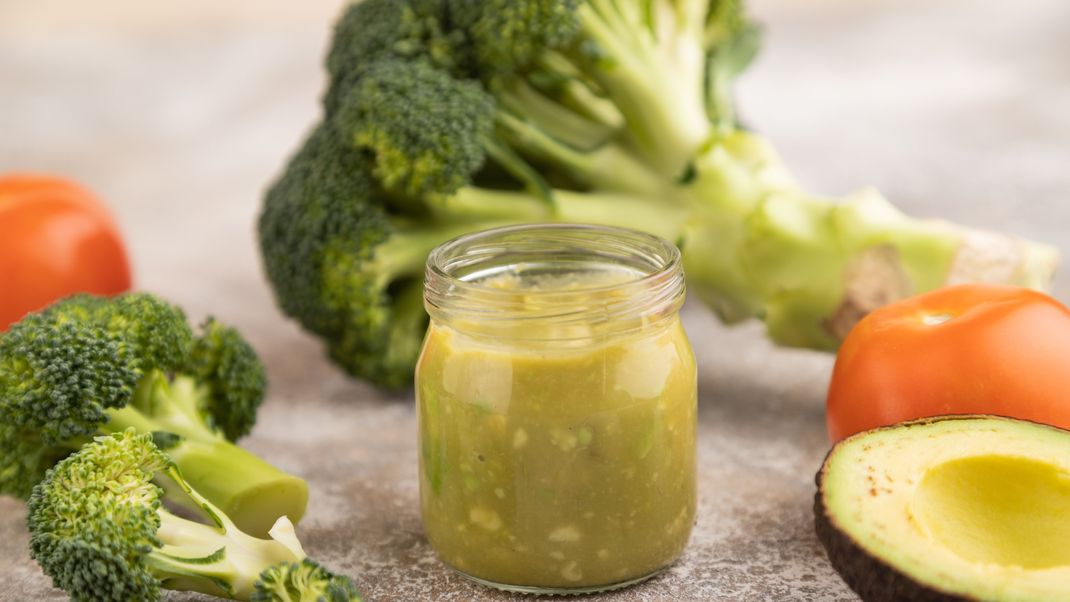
x,y
558,466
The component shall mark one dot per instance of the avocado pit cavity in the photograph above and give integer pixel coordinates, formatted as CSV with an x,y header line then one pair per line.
x,y
993,509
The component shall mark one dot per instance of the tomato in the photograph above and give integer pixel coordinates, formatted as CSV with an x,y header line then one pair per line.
x,y
968,349
56,239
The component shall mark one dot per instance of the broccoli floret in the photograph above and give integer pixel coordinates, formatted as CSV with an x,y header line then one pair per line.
x,y
506,35
322,230
89,365
228,367
305,581
423,129
98,527
374,30
449,116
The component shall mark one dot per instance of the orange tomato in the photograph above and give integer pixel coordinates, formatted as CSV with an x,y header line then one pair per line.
x,y
969,349
56,239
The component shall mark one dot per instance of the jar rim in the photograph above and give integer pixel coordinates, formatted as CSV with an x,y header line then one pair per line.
x,y
457,271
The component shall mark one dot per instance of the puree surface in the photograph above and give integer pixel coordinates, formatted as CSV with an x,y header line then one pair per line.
x,y
558,465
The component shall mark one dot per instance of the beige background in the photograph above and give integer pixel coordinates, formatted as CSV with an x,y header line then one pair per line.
x,y
179,113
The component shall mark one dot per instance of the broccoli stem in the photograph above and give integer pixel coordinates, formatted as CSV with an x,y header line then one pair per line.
x,y
755,244
404,255
217,559
485,204
408,325
174,406
658,84
665,218
473,209
607,167
249,489
559,121
510,161
573,89
811,267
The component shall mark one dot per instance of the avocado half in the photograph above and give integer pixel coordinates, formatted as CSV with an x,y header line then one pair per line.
x,y
949,508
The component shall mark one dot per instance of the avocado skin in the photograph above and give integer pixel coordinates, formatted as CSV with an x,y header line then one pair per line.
x,y
871,578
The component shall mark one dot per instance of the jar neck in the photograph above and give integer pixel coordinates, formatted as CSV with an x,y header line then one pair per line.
x,y
554,283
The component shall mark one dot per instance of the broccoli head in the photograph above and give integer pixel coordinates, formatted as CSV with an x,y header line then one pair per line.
x,y
444,117
89,365
99,528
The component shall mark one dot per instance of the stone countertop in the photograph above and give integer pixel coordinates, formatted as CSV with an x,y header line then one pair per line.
x,y
179,113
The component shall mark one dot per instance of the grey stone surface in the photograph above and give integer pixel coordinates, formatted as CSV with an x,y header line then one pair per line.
x,y
179,113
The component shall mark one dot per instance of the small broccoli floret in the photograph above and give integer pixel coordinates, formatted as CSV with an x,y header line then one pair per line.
x,y
374,30
306,581
424,130
88,365
157,329
506,35
224,363
99,529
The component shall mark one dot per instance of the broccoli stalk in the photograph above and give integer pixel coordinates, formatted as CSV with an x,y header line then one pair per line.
x,y
88,366
451,116
244,485
99,529
811,267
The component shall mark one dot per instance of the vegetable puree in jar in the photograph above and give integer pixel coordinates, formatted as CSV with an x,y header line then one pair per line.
x,y
558,454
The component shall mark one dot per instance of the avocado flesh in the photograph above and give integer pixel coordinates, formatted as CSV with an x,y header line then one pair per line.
x,y
954,508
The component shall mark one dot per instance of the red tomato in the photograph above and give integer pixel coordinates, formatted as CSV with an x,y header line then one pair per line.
x,y
56,239
969,349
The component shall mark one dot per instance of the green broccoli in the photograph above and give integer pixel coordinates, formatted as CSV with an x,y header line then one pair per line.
x,y
90,365
98,527
449,116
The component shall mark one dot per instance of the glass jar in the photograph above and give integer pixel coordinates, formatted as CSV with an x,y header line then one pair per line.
x,y
557,408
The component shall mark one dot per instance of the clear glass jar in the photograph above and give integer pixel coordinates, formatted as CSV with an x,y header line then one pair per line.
x,y
557,408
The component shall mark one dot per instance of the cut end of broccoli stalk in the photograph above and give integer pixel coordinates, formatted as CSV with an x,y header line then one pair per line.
x,y
252,492
1039,265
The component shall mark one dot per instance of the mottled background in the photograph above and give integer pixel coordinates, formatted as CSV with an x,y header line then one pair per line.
x,y
179,113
